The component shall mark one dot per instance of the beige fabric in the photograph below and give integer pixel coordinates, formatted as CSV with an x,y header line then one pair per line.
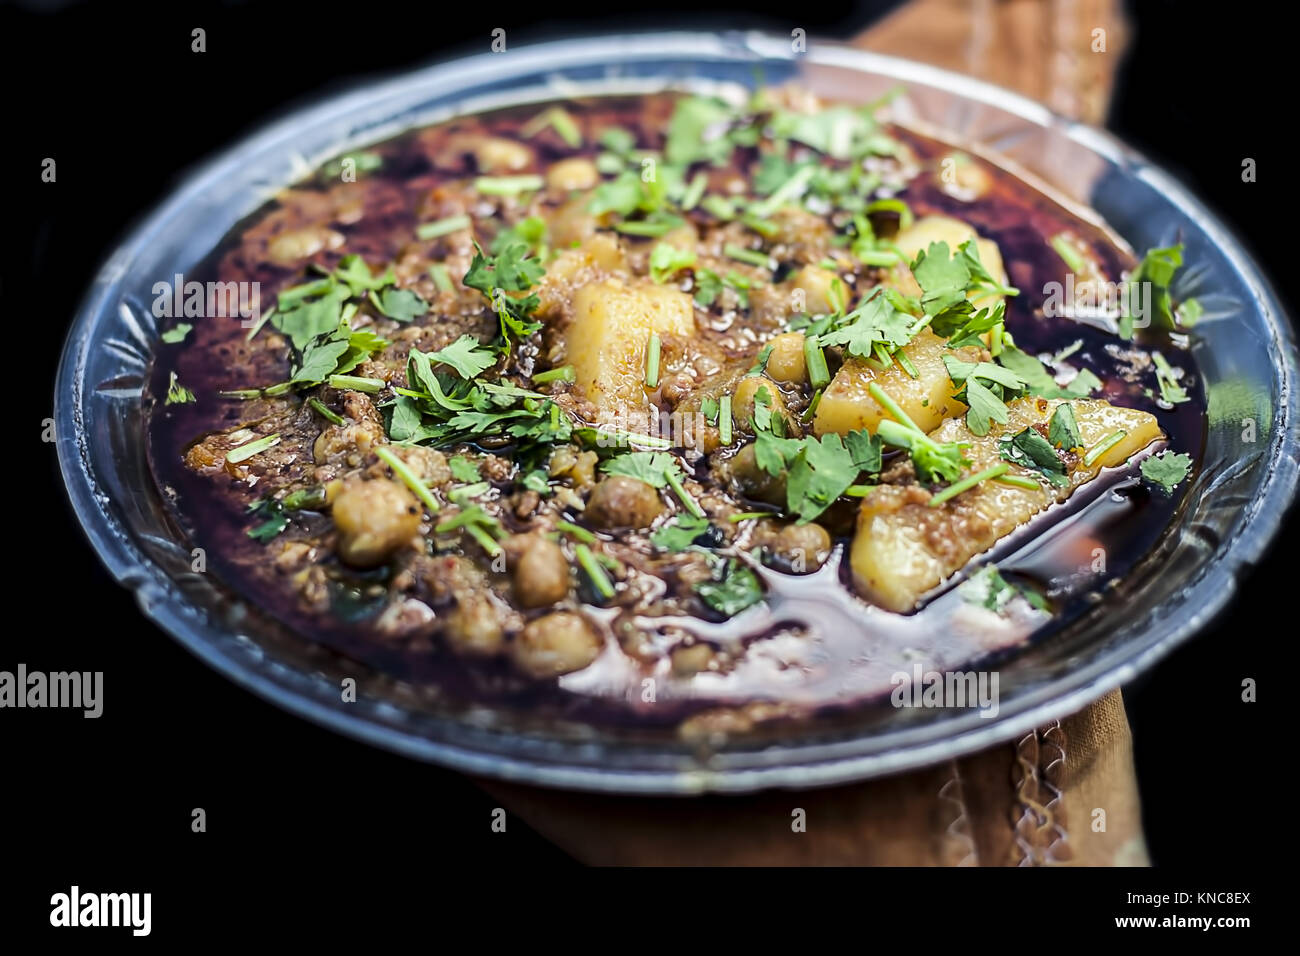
x,y
1044,49
1028,803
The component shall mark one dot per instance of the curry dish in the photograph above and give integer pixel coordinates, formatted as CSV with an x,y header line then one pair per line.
x,y
674,409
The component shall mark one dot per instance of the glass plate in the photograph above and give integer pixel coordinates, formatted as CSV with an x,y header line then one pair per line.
x,y
1244,347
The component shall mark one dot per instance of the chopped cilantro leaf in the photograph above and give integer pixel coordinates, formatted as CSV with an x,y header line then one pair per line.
x,y
466,356
733,588
707,286
529,232
873,323
1157,268
177,333
961,372
1167,379
1063,429
1039,380
307,318
943,278
819,473
679,533
841,132
177,394
866,450
353,272
652,467
1029,449
622,195
320,358
536,480
667,260
760,363
1167,470
962,324
697,131
337,353
509,271
946,281
462,469
986,405
274,519
441,409
934,461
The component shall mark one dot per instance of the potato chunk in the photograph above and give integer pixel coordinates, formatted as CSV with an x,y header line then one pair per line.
x,y
607,339
846,404
596,257
903,547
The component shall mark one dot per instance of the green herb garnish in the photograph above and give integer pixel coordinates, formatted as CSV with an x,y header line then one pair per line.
x,y
177,333
1030,450
1167,380
1063,429
442,227
462,469
510,271
734,588
249,449
466,356
1167,470
667,260
595,573
177,394
1157,267
679,533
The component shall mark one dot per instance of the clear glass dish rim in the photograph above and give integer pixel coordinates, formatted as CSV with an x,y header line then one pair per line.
x,y
788,767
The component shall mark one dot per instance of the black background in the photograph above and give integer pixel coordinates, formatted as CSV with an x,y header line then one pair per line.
x,y
113,92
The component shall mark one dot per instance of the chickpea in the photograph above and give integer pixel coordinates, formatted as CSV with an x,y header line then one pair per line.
x,y
374,519
429,465
787,362
556,644
688,661
742,400
348,443
623,502
801,548
752,481
541,574
570,174
816,284
474,627
290,247
961,177
497,155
